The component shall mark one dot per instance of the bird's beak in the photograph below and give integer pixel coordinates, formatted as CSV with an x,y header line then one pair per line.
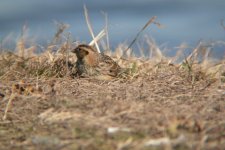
x,y
74,50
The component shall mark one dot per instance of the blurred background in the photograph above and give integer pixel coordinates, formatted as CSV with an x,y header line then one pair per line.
x,y
186,21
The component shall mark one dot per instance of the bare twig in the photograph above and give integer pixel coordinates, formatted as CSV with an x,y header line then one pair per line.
x,y
152,20
90,28
12,96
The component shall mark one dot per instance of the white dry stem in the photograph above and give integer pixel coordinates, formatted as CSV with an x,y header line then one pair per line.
x,y
90,28
165,141
154,49
97,38
112,130
106,30
50,56
194,53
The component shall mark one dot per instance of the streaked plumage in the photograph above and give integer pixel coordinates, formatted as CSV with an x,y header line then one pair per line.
x,y
91,63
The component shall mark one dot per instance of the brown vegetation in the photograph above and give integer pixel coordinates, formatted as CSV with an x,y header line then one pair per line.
x,y
158,104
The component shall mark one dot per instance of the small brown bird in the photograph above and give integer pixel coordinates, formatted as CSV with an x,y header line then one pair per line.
x,y
91,63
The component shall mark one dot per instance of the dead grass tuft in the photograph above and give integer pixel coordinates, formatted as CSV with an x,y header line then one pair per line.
x,y
157,102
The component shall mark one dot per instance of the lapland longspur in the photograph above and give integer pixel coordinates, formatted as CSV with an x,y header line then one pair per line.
x,y
91,63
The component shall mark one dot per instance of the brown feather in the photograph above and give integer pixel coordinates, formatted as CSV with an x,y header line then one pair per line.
x,y
91,63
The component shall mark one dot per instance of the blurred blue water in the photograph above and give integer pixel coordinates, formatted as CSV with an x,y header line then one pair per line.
x,y
184,20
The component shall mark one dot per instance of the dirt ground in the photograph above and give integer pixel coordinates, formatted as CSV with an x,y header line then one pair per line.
x,y
159,110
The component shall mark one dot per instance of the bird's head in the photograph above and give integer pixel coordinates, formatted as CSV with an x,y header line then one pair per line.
x,y
83,50
86,53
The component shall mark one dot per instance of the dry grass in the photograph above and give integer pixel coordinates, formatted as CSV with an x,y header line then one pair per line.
x,y
158,103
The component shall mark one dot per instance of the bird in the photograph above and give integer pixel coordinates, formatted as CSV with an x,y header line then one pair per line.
x,y
92,63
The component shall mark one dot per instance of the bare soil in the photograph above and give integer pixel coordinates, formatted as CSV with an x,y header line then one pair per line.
x,y
159,110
